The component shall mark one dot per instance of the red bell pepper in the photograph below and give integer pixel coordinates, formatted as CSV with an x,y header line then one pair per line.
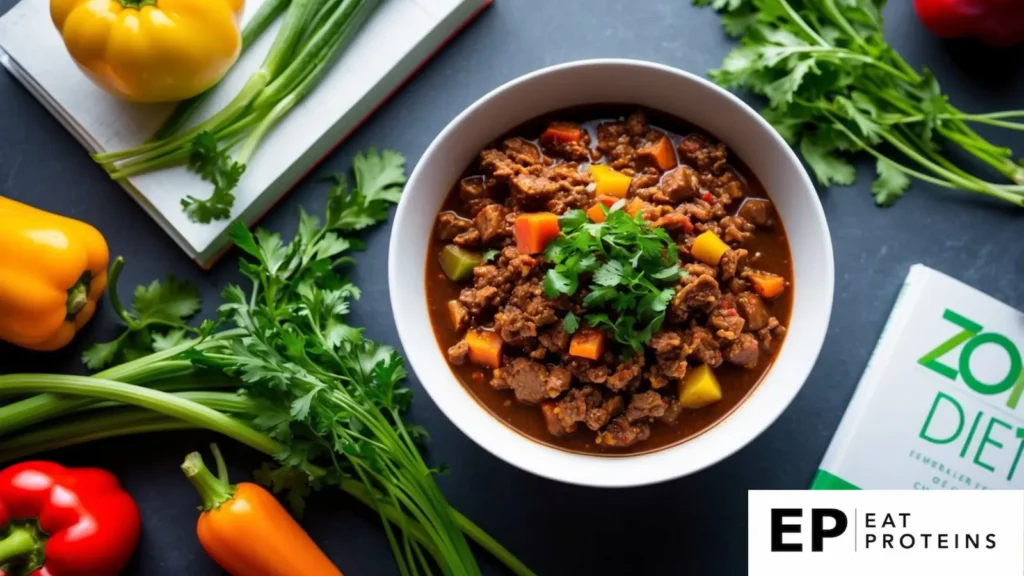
x,y
57,521
994,22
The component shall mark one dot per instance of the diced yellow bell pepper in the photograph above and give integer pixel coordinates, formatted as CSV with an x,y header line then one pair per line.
x,y
708,248
609,181
699,388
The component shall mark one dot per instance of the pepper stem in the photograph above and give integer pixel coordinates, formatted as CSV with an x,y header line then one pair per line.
x,y
212,490
78,296
20,542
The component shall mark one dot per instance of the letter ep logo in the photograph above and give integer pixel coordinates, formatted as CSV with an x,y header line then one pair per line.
x,y
819,532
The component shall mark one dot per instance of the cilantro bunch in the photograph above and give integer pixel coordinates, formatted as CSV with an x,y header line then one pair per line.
x,y
630,269
834,87
280,371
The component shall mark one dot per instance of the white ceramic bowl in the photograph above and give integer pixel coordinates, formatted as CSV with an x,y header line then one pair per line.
x,y
679,94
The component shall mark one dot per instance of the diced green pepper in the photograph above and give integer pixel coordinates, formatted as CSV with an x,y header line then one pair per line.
x,y
458,263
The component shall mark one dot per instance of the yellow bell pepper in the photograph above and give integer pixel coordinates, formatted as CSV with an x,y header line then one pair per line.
x,y
699,388
609,181
53,270
708,248
151,50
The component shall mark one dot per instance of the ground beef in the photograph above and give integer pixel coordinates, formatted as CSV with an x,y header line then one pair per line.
x,y
674,368
672,411
698,152
450,225
468,239
490,221
757,211
697,210
703,347
727,323
529,380
698,293
521,151
555,339
476,300
587,371
458,314
770,332
474,188
680,184
553,423
598,417
620,433
735,230
576,404
626,373
529,191
666,342
645,405
731,262
498,165
559,380
753,310
459,353
743,352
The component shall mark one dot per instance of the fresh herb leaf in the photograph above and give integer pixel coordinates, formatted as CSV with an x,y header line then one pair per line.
x,y
828,167
172,300
609,274
216,166
556,283
834,84
158,320
632,266
890,184
489,255
570,323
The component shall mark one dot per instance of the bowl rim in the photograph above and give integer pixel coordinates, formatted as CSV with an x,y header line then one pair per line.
x,y
496,447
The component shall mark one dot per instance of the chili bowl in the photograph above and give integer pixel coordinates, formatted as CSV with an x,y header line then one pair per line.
x,y
672,92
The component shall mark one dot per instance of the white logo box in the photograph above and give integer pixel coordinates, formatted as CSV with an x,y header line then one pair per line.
x,y
938,533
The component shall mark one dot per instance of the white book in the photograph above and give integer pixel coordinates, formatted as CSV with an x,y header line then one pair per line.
x,y
399,37
939,406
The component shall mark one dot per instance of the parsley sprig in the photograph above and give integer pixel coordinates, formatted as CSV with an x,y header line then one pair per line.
x,y
835,86
632,269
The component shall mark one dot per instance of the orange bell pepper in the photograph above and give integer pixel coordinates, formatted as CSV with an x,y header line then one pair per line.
x,y
767,285
247,531
53,270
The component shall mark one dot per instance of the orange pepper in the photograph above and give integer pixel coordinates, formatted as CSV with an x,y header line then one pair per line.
x,y
534,230
53,271
767,285
247,531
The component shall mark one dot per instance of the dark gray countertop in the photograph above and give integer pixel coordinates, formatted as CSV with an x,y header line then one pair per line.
x,y
693,525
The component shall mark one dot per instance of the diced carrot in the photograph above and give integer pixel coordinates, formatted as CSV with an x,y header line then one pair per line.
x,y
635,205
562,132
595,212
766,285
662,153
587,343
484,348
534,230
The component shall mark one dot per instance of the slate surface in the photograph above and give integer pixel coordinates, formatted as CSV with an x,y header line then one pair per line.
x,y
693,525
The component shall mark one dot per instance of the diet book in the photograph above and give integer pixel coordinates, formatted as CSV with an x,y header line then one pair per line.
x,y
939,404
